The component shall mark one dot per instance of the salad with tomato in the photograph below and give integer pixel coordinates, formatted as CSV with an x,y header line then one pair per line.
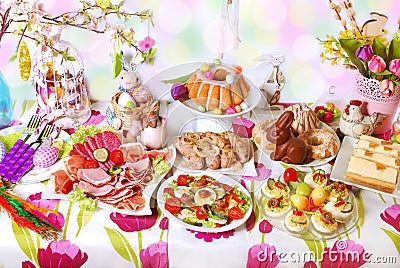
x,y
203,201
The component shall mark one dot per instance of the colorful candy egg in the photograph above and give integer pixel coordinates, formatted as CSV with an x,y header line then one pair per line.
x,y
2,151
230,79
244,106
142,94
45,156
209,75
230,110
204,67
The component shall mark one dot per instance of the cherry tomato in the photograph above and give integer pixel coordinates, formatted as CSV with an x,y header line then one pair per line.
x,y
290,174
154,154
73,152
172,205
117,157
235,213
90,164
238,199
182,180
169,191
201,215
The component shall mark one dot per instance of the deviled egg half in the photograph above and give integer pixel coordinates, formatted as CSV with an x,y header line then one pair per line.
x,y
205,196
296,221
324,222
341,210
316,178
337,190
275,189
277,207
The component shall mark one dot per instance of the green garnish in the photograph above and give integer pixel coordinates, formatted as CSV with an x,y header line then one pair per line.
x,y
80,134
78,195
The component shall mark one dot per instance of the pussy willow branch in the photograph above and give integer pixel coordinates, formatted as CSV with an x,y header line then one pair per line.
x,y
352,18
338,14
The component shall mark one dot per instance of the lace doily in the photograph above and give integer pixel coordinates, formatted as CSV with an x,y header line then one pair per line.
x,y
369,89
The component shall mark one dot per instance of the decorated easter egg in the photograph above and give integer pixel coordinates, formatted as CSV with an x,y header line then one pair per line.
x,y
45,156
230,110
125,99
142,94
2,151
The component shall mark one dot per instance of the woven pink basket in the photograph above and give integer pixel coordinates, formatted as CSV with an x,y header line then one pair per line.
x,y
367,90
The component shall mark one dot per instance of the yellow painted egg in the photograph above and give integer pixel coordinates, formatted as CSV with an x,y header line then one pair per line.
x,y
299,201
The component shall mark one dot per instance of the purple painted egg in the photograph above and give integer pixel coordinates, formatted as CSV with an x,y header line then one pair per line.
x,y
179,91
45,156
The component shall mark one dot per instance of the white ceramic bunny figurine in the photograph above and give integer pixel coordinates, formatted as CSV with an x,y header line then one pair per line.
x,y
275,81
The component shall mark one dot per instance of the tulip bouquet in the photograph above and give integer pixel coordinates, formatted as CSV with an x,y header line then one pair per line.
x,y
364,49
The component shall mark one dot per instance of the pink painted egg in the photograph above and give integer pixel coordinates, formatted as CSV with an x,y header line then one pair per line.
x,y
45,156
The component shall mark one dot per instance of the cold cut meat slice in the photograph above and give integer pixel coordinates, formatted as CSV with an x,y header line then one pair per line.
x,y
95,191
111,141
92,143
95,176
99,140
80,148
61,181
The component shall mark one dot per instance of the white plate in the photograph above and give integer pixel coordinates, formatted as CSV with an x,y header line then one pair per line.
x,y
156,85
315,162
148,192
38,174
342,162
310,233
218,177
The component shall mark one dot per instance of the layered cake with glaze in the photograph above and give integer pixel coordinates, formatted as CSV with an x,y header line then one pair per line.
x,y
217,86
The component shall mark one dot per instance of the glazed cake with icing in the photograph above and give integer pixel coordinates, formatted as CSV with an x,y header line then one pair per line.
x,y
219,86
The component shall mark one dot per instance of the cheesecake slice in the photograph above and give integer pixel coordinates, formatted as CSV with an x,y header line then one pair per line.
x,y
378,158
377,148
378,141
372,174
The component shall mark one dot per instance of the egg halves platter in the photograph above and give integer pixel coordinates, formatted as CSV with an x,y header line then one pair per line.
x,y
312,209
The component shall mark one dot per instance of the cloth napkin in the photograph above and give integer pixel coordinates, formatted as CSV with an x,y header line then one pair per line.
x,y
10,139
195,249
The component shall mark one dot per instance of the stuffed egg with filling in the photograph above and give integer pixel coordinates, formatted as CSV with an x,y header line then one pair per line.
x,y
275,189
296,221
341,210
277,207
316,179
324,222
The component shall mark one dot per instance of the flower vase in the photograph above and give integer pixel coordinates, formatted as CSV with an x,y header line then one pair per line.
x,y
5,103
368,91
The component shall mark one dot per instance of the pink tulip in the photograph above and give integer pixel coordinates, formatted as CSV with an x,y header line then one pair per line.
x,y
394,67
377,64
387,87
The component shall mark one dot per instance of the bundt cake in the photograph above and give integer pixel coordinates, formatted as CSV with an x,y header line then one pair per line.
x,y
217,86
304,118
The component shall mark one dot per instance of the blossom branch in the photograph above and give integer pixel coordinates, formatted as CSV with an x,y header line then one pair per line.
x,y
337,10
351,13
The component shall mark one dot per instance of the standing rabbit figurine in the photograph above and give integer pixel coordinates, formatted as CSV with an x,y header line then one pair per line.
x,y
131,95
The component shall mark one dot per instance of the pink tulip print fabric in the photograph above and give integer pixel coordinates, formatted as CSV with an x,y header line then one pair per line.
x,y
59,254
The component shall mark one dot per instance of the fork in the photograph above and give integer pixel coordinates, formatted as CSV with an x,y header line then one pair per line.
x,y
25,158
33,124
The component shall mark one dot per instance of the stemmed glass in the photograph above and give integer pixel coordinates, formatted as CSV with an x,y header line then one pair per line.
x,y
75,103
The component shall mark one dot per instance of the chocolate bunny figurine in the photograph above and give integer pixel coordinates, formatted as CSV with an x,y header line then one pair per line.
x,y
289,149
